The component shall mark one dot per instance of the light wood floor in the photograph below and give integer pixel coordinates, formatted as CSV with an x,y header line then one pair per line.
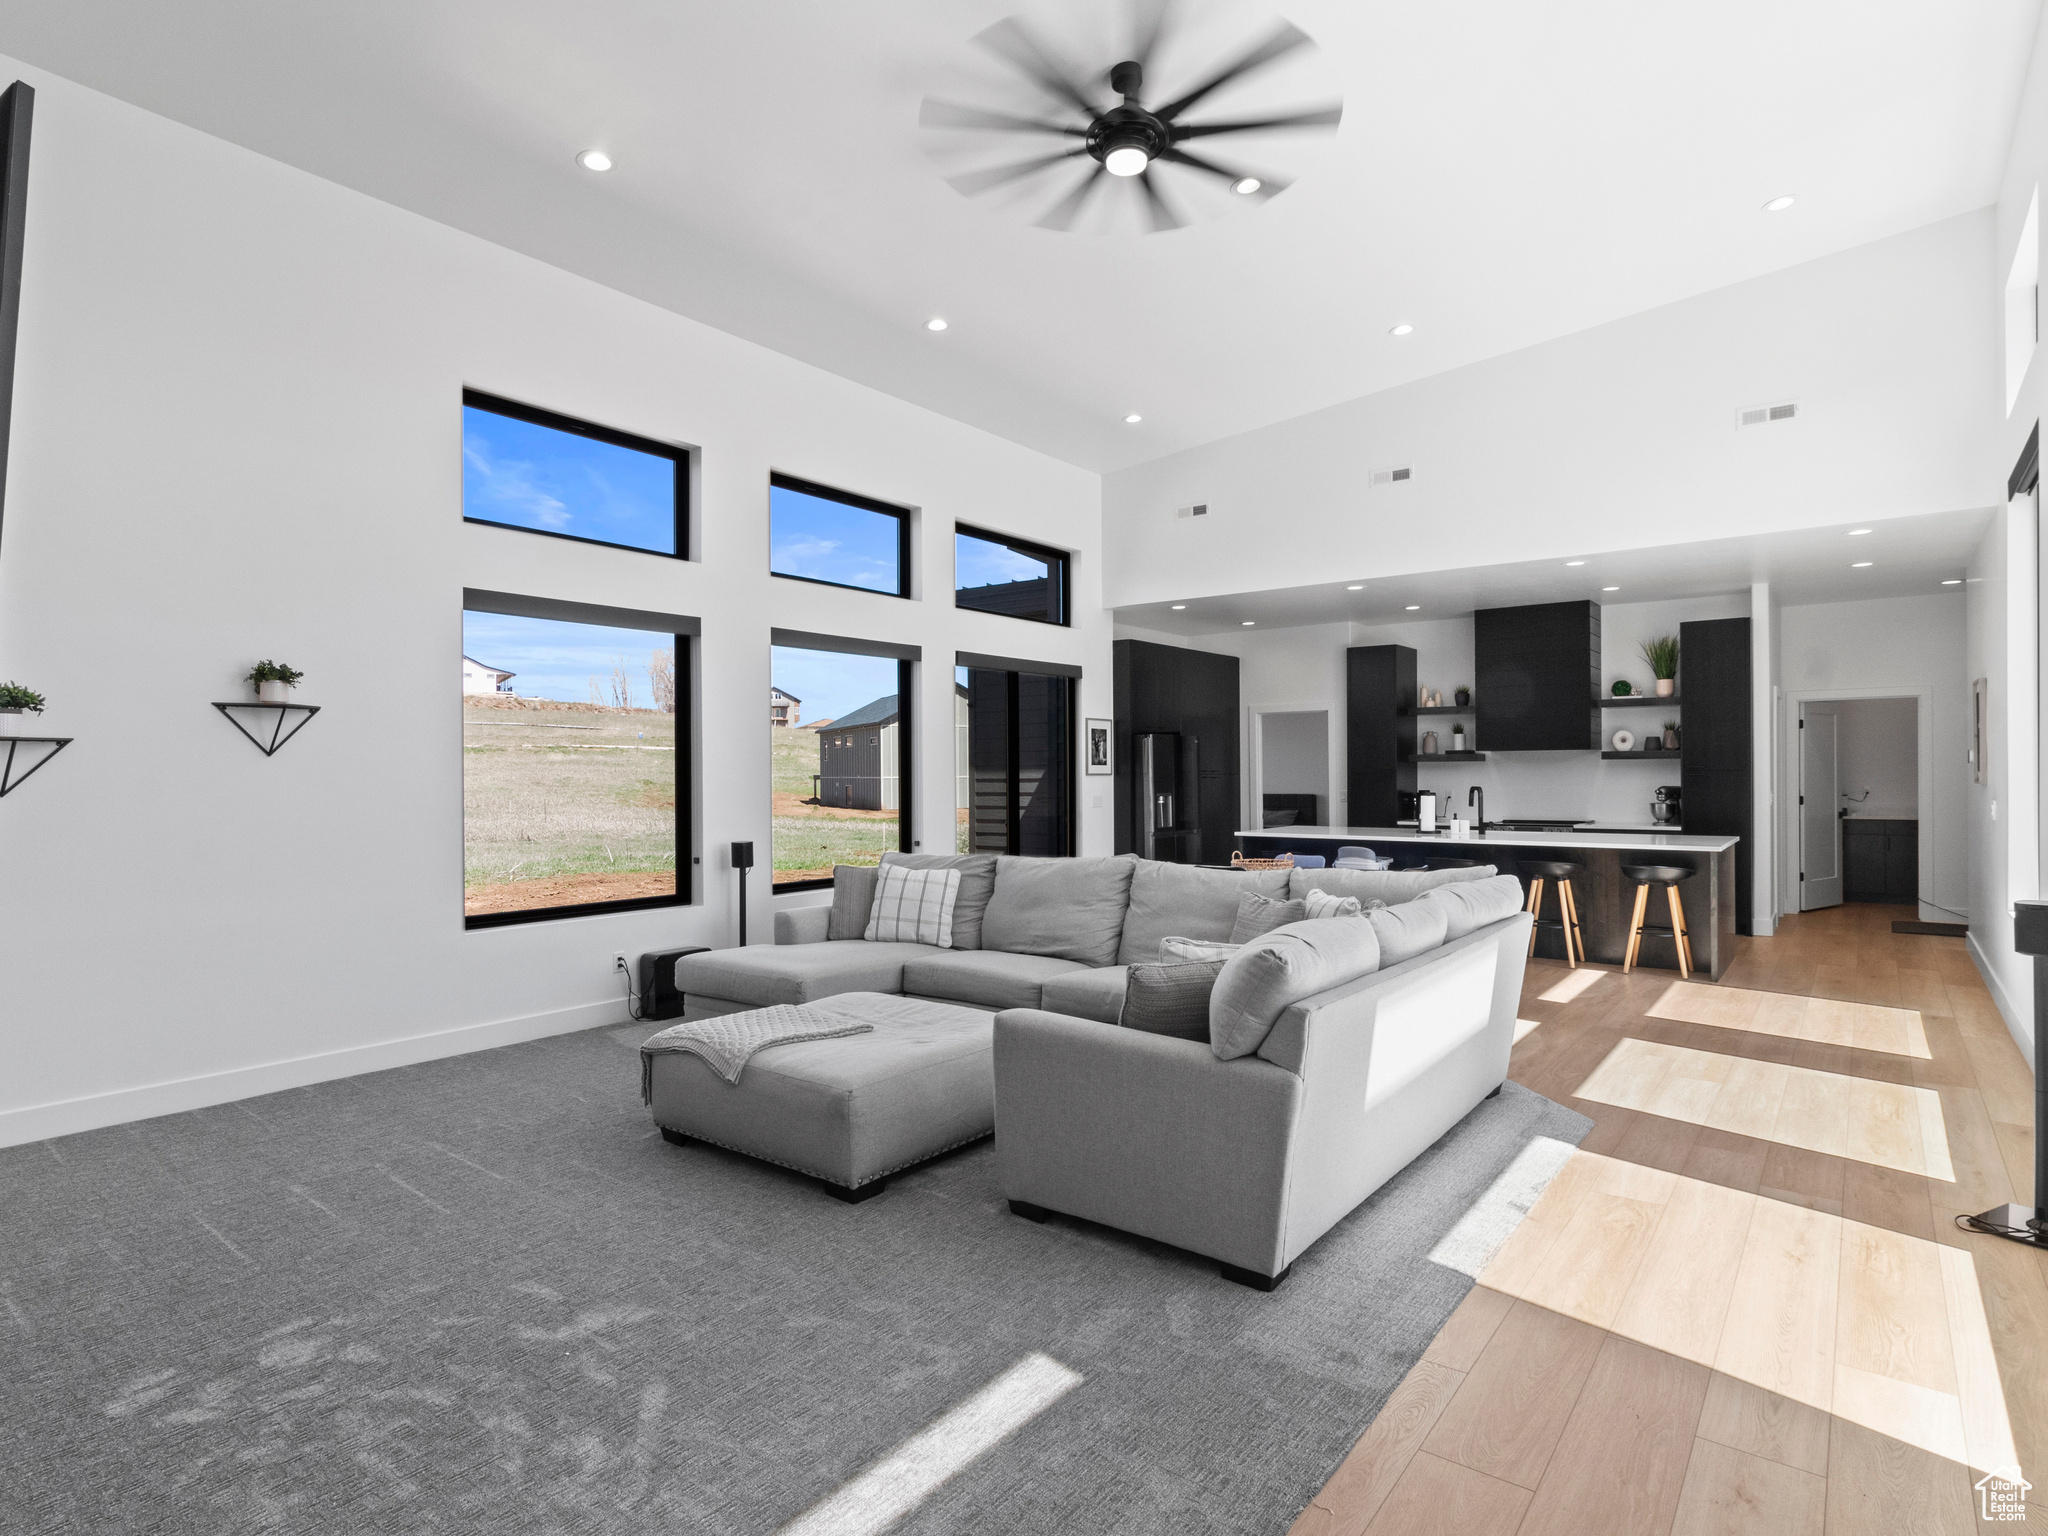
x,y
1743,1304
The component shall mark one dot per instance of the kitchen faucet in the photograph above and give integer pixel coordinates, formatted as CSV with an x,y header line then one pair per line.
x,y
1478,796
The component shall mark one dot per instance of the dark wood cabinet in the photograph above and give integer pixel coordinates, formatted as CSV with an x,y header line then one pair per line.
x,y
1174,688
1379,734
1716,774
1536,673
1880,860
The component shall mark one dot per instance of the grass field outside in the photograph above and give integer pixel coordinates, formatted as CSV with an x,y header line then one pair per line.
x,y
810,838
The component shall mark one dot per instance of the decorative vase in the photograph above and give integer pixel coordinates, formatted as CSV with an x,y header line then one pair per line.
x,y
1463,696
1624,740
1666,686
1671,739
1429,745
271,691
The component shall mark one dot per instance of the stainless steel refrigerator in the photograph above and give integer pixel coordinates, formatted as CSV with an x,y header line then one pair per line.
x,y
1166,779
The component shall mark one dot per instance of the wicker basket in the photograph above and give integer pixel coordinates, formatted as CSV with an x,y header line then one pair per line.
x,y
1239,861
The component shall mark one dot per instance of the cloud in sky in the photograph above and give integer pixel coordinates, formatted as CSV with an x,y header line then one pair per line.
x,y
556,660
532,476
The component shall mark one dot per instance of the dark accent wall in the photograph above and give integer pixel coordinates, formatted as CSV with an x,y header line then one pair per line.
x,y
1536,674
1379,734
1717,775
1173,688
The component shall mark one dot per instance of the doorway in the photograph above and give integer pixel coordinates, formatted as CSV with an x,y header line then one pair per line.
x,y
1291,767
1859,801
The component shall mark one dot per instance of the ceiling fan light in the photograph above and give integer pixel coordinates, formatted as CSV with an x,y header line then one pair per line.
x,y
1126,160
1245,186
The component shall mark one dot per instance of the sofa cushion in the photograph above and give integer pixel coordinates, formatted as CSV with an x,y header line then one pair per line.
x,y
1409,929
1176,948
1271,973
1391,886
1258,914
1473,904
914,906
853,898
1179,900
1317,903
1170,999
1089,993
985,978
1068,909
977,881
762,974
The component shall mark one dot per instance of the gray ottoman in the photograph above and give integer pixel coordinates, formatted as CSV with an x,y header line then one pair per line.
x,y
851,1110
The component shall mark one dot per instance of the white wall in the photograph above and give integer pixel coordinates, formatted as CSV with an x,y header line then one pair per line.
x,y
1619,437
1878,756
237,433
1888,647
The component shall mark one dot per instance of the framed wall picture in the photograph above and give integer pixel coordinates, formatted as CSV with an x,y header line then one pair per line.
x,y
1099,741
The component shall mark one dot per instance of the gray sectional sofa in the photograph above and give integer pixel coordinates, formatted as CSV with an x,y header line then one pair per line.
x,y
1368,1039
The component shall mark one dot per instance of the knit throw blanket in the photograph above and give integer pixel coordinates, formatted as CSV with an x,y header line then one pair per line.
x,y
728,1041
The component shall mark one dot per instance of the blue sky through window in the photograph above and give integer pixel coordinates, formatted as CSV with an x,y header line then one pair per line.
x,y
553,659
831,541
981,563
530,476
831,683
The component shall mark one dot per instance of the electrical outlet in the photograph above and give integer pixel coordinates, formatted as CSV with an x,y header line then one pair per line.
x,y
619,962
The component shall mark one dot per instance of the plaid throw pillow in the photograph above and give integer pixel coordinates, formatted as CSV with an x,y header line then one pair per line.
x,y
1170,999
914,906
1323,904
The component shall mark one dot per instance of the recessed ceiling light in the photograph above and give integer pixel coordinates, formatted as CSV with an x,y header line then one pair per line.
x,y
1414,608
1610,589
1248,623
1354,589
1401,330
1858,565
1133,419
594,160
1575,562
1857,533
935,324
1245,186
1953,581
1778,204
1178,606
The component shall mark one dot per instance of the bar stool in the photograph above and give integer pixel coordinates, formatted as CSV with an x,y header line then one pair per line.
x,y
1669,876
1567,920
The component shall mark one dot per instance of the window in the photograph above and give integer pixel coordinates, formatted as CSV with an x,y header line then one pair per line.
x,y
531,469
996,574
841,784
571,773
835,537
1014,760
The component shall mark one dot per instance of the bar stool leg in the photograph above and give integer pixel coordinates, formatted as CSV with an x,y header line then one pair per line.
x,y
1568,910
1680,941
1535,908
1635,930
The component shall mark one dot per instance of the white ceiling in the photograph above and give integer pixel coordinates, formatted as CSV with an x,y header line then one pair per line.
x,y
1909,557
1505,173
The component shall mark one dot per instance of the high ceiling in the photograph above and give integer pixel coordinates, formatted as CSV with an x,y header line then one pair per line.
x,y
1505,173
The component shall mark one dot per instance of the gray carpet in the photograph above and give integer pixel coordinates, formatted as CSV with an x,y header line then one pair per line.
x,y
483,1295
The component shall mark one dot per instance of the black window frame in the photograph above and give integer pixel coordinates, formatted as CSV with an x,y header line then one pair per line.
x,y
536,416
686,853
1013,669
906,761
777,480
1053,558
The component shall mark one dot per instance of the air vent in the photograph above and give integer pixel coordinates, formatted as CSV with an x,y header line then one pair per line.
x,y
1199,509
1398,475
1764,415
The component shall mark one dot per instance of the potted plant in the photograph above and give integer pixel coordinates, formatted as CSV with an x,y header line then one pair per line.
x,y
1670,735
274,681
14,701
1662,655
1463,695
1622,688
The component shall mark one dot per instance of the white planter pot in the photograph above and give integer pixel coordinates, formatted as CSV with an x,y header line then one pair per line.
x,y
1666,686
10,722
273,692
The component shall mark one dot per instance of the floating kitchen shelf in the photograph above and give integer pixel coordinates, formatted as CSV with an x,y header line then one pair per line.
x,y
1444,709
1454,757
1665,754
1635,700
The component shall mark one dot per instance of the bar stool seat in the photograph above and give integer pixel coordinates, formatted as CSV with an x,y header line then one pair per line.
x,y
1540,872
1670,877
1451,864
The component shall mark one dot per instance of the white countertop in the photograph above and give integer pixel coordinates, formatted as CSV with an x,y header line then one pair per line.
x,y
1501,838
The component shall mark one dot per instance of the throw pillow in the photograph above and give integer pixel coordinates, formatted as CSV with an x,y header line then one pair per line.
x,y
977,884
1170,999
1172,950
1258,914
853,898
914,906
1475,903
1271,974
1322,904
1409,929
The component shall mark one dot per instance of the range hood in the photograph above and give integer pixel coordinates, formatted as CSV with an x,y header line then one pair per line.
x,y
1537,674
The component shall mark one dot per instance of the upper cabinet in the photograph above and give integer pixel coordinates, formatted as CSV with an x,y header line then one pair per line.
x,y
1536,675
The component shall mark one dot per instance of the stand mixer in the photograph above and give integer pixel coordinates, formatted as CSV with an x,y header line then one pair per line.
x,y
1665,809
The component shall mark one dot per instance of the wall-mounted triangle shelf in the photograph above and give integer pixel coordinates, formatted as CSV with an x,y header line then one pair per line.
x,y
275,729
11,755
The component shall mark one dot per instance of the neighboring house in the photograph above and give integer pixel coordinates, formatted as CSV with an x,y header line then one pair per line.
x,y
784,708
478,678
857,759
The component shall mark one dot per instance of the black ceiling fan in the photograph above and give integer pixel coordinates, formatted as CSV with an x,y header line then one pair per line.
x,y
1126,139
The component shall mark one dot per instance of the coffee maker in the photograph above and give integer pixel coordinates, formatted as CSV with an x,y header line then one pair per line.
x,y
1665,810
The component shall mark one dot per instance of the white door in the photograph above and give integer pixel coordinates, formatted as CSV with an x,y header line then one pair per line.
x,y
1820,824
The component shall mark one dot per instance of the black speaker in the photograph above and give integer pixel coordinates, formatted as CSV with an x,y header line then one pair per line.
x,y
742,855
660,997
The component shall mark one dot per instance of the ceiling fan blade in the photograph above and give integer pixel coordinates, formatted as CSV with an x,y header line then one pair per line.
x,y
951,114
1163,216
1284,39
1268,185
1321,117
1063,213
974,183
1009,41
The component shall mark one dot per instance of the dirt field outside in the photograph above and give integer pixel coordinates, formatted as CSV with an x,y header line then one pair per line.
x,y
811,838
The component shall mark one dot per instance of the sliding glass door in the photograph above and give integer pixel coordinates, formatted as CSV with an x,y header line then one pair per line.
x,y
1014,735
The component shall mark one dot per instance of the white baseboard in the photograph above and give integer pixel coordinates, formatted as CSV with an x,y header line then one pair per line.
x,y
64,1117
2019,1024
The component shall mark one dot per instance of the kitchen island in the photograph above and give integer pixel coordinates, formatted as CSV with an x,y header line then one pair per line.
x,y
1605,899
